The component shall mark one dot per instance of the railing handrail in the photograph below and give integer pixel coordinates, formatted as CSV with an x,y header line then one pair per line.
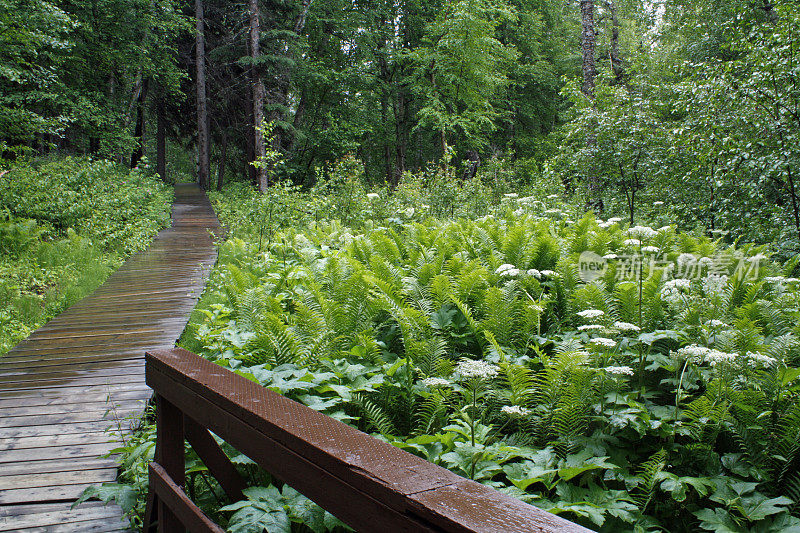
x,y
367,483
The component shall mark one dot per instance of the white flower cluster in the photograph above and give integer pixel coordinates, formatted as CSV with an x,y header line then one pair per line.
x,y
651,249
619,370
373,195
759,359
657,203
470,368
591,313
674,289
604,342
694,353
610,222
511,195
535,273
642,232
631,242
435,382
626,326
705,262
515,410
507,270
590,327
714,323
686,258
610,256
715,357
699,354
714,284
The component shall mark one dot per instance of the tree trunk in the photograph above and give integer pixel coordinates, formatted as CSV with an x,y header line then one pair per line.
x,y
138,152
223,160
587,47
161,138
202,103
401,136
259,150
616,61
588,37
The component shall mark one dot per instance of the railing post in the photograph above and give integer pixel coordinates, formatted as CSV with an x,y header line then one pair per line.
x,y
170,455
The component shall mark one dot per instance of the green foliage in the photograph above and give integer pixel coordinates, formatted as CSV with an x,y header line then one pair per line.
x,y
64,226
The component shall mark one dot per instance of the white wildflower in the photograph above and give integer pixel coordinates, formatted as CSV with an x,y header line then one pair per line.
x,y
642,232
775,279
591,313
610,256
373,195
673,290
694,353
626,326
759,359
714,284
650,249
409,212
631,242
515,410
535,273
604,342
714,323
715,357
686,258
613,220
470,368
548,273
505,268
553,211
665,228
436,382
657,203
511,195
590,327
705,262
552,197
619,370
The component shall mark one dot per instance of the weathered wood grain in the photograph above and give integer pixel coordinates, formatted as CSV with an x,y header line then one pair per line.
x,y
71,390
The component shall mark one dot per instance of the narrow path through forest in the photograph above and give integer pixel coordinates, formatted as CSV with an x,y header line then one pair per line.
x,y
64,387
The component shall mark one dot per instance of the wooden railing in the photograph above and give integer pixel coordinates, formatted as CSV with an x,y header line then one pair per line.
x,y
368,484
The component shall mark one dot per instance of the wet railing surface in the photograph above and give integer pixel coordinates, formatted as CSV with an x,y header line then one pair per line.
x,y
368,484
83,373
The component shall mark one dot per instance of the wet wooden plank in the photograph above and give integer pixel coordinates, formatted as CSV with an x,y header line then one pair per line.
x,y
58,387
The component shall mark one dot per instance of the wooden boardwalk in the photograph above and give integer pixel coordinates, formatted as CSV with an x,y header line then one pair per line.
x,y
83,373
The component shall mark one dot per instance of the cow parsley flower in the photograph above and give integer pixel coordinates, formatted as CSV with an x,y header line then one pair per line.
x,y
436,382
705,262
673,290
591,313
591,327
373,195
604,342
694,353
619,370
650,249
631,242
515,410
613,220
548,273
715,357
535,273
474,369
642,232
686,258
507,270
714,323
714,284
626,326
609,257
759,359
